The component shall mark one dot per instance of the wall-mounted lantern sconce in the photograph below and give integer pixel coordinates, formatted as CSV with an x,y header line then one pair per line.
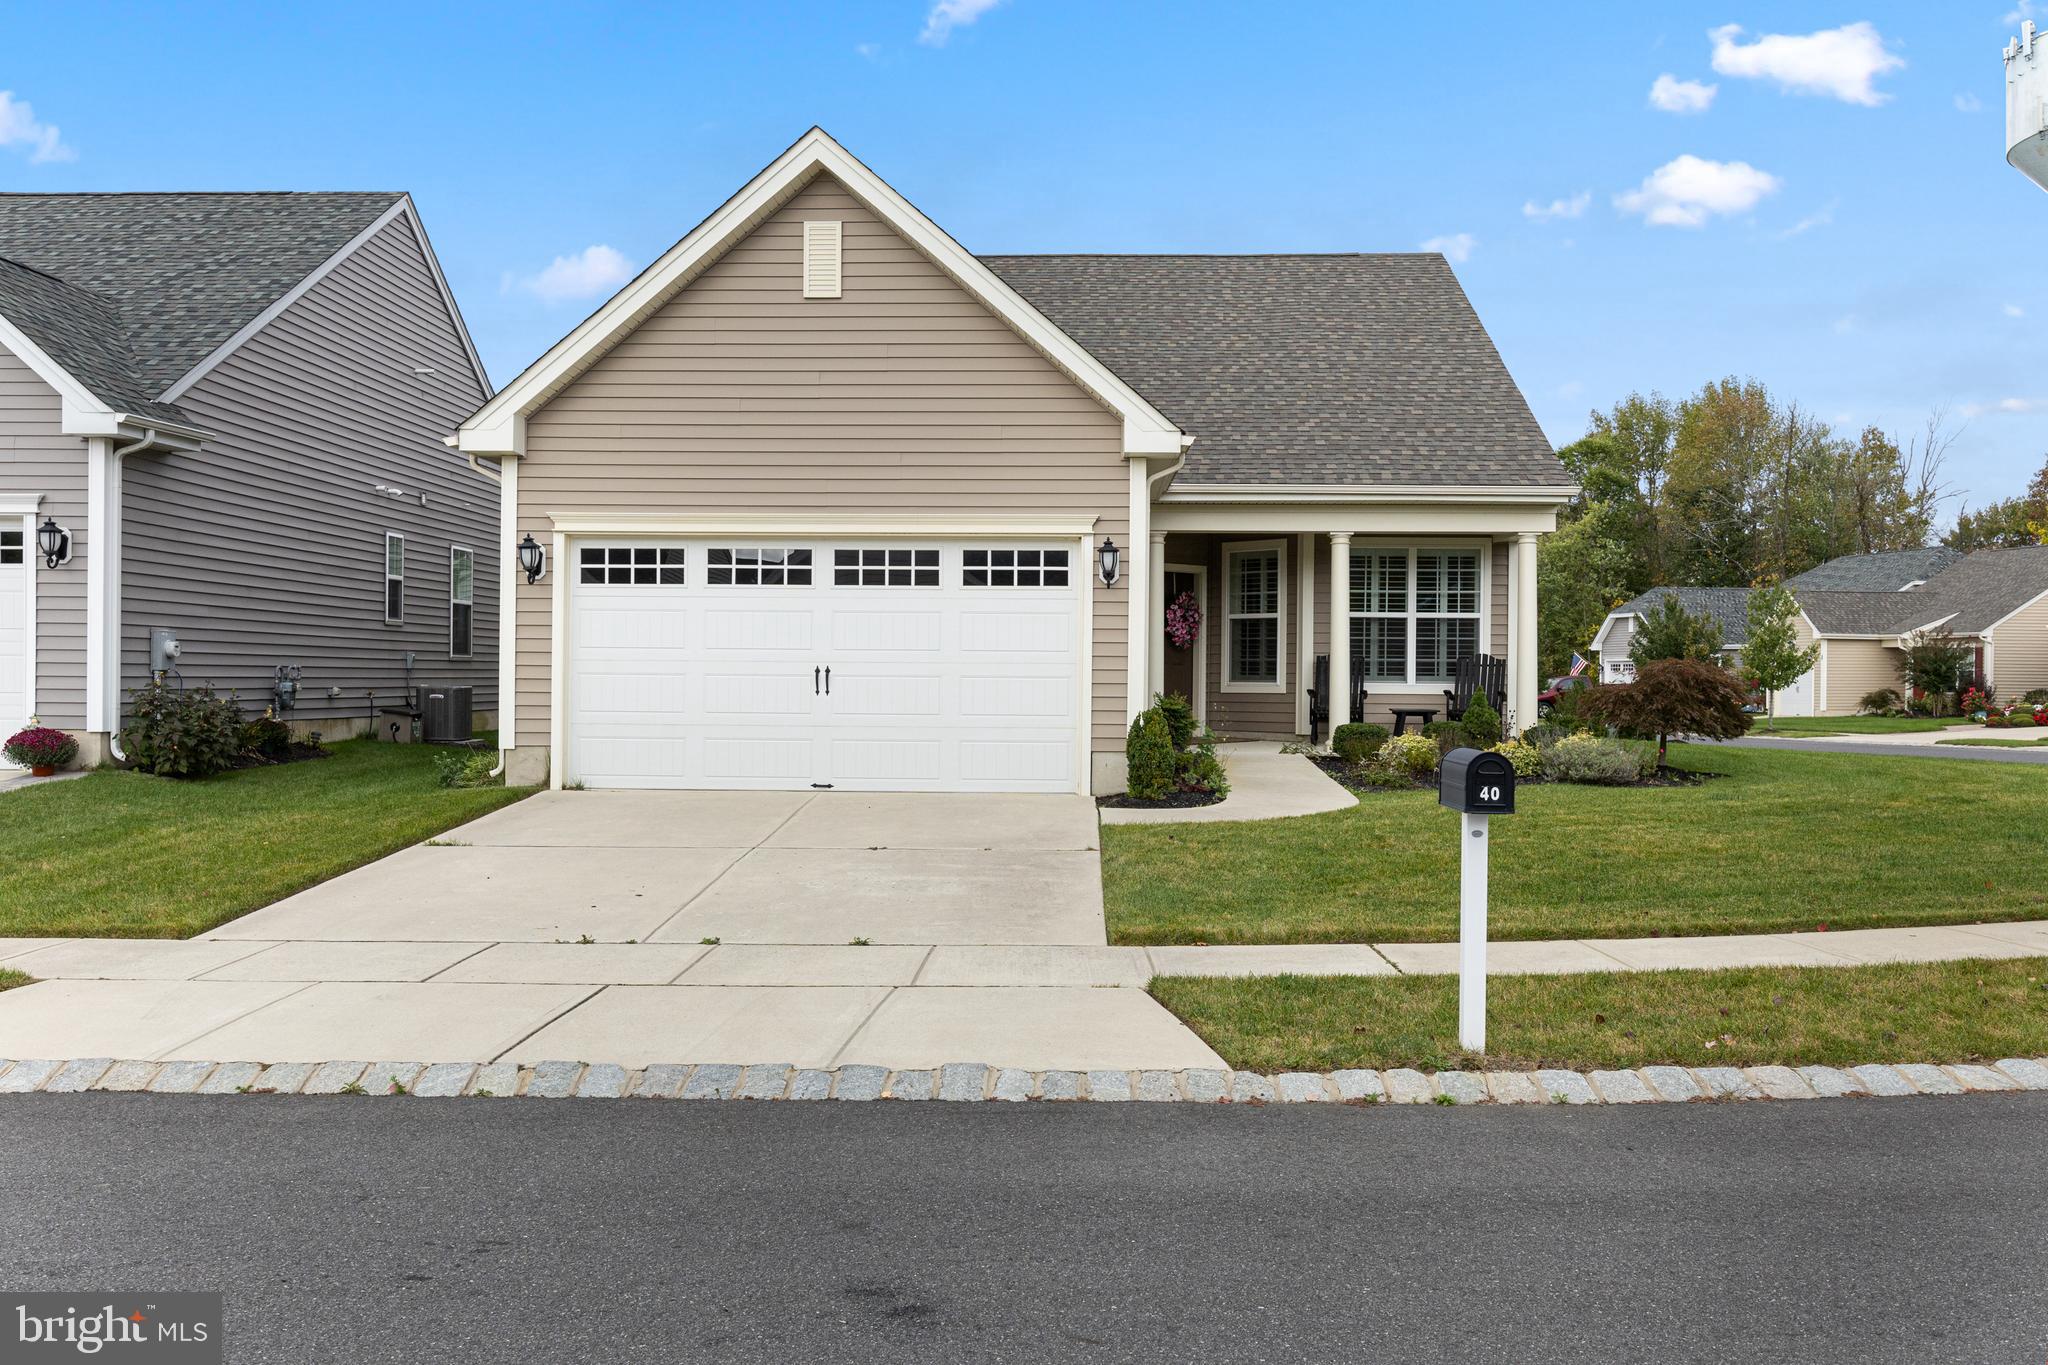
x,y
1111,562
532,558
54,541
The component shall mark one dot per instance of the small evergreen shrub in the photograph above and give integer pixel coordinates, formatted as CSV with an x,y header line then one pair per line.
x,y
1445,734
1179,714
1882,702
1148,757
1199,770
1481,723
1526,758
182,733
1592,759
1356,743
1415,755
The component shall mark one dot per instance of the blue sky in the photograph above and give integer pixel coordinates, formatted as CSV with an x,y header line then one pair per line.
x,y
1833,217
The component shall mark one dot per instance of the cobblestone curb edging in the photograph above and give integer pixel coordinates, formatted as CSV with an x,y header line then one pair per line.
x,y
975,1082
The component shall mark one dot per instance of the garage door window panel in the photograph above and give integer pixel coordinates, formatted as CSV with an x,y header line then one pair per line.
x,y
1013,568
626,566
10,547
757,567
891,567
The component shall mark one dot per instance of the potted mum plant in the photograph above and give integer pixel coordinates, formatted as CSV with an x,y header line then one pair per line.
x,y
40,749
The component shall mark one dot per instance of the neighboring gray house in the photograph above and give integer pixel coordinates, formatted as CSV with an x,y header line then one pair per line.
x,y
233,408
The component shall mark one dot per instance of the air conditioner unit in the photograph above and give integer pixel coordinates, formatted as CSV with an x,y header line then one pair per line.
x,y
448,715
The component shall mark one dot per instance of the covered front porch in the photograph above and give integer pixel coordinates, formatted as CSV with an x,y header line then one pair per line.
x,y
1428,586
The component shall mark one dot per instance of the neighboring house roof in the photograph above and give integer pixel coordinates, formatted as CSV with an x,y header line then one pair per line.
x,y
1884,612
83,332
1338,370
183,272
1985,587
1727,607
1886,571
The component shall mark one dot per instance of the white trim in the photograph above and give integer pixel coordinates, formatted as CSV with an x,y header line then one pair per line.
x,y
1523,643
1136,574
404,566
499,426
454,550
102,586
18,506
1155,618
1233,549
1085,582
1411,685
558,663
509,578
31,565
1514,668
1304,625
829,524
401,207
1600,635
1375,493
1338,610
1200,699
1395,518
2037,597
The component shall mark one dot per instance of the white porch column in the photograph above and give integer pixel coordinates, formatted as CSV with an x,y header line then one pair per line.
x,y
1523,623
1340,630
1304,626
1155,619
1137,577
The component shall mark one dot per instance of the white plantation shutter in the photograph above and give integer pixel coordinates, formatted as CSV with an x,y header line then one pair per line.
x,y
821,259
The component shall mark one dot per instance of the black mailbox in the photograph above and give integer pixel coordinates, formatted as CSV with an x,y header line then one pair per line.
x,y
1476,782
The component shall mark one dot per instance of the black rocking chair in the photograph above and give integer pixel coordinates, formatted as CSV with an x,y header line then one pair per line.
x,y
1476,674
1319,695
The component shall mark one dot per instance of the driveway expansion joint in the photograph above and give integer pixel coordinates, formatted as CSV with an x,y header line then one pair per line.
x,y
975,1082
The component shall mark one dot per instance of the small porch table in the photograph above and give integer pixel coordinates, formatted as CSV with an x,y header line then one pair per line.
x,y
1423,715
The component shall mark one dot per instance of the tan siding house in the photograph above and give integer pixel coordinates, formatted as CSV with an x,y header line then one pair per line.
x,y
822,500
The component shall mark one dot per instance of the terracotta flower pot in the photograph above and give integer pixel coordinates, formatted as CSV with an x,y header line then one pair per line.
x,y
42,770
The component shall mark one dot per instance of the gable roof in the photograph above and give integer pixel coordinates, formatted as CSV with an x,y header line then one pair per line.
x,y
1328,370
498,427
1886,571
1884,612
181,271
81,331
1726,607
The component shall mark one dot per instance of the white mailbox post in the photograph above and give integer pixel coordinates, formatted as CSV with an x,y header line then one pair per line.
x,y
1477,785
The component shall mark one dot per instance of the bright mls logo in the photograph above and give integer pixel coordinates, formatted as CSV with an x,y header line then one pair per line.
x,y
168,1329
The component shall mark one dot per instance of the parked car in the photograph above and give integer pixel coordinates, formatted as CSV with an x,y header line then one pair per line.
x,y
1547,698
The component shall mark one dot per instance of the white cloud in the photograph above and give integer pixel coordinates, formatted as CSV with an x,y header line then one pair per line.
x,y
1675,96
2005,405
1573,207
868,50
947,15
1967,103
1456,247
1819,218
592,271
2013,310
19,127
1688,190
1840,62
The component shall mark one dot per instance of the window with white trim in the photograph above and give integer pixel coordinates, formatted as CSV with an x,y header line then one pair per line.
x,y
394,579
642,566
895,566
1254,618
461,603
756,567
11,547
1013,568
1415,613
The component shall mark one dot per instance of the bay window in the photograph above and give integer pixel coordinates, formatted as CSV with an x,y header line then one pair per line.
x,y
1415,613
1255,616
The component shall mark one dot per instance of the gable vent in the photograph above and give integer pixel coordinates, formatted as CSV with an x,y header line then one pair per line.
x,y
821,259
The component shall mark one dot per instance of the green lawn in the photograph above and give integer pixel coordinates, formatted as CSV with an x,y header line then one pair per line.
x,y
1990,742
1794,1016
9,980
1806,727
1784,841
126,855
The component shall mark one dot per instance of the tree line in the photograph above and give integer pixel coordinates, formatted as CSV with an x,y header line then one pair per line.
x,y
1730,487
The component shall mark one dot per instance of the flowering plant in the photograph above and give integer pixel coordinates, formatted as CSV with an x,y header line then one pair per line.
x,y
1183,621
40,747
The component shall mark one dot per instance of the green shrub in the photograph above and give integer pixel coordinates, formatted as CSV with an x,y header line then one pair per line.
x,y
267,737
1198,769
1179,714
1445,734
1356,743
1415,755
1148,757
466,768
1591,759
2037,697
1881,702
2022,720
1544,735
1526,758
1481,723
182,733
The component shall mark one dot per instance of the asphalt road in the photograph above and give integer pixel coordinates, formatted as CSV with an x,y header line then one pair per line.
x,y
1970,752
371,1230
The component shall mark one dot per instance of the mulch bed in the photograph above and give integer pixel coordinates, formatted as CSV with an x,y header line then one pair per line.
x,y
1173,801
1353,779
300,752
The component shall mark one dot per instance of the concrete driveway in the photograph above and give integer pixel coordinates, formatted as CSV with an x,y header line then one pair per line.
x,y
738,867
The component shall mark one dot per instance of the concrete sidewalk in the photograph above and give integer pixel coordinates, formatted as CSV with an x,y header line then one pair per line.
x,y
1265,784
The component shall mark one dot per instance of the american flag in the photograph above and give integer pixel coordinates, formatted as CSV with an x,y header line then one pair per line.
x,y
1579,663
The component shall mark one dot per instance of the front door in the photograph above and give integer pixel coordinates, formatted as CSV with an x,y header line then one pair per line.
x,y
1180,663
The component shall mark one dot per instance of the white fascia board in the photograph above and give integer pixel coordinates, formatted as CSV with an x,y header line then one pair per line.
x,y
291,296
813,154
1599,637
1986,632
83,413
1377,493
826,524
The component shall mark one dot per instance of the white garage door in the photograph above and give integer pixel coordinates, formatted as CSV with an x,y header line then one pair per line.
x,y
13,635
862,666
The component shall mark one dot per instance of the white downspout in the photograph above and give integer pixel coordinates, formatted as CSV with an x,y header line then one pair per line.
x,y
509,574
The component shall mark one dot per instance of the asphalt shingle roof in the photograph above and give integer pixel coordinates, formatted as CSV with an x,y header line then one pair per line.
x,y
159,281
1727,607
1354,370
1888,571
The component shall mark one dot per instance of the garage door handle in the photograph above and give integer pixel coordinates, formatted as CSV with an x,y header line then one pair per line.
x,y
828,680
814,682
